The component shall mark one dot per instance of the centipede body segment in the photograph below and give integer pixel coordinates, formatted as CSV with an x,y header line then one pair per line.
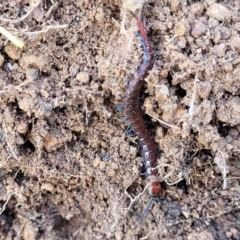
x,y
134,112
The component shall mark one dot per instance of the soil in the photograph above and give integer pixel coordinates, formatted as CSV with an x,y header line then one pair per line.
x,y
69,168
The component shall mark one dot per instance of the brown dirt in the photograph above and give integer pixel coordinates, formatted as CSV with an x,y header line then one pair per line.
x,y
68,168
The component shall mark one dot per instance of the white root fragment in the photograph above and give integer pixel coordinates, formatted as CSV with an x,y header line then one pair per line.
x,y
19,43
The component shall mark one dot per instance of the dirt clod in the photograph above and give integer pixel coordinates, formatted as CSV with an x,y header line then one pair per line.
x,y
13,52
219,12
198,29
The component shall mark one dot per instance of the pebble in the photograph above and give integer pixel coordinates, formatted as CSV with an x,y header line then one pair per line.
x,y
180,29
219,50
197,9
83,77
47,186
220,202
29,232
13,52
31,74
234,231
198,29
210,2
174,5
1,60
40,61
219,12
22,127
227,66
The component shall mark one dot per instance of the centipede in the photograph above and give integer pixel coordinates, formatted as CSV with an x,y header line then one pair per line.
x,y
134,115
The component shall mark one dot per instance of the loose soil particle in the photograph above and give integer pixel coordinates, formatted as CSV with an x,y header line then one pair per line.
x,y
68,167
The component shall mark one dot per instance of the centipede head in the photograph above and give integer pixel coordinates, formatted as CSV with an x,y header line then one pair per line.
x,y
155,189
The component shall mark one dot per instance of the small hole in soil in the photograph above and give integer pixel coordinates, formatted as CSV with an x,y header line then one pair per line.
x,y
223,129
169,78
181,92
27,148
19,177
183,185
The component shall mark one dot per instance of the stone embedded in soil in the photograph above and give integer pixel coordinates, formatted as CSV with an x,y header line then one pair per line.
x,y
83,77
174,7
13,52
197,9
219,12
41,62
30,232
210,2
203,89
180,29
47,186
31,74
26,104
235,42
53,141
219,50
38,14
1,60
198,29
163,73
200,235
21,127
229,111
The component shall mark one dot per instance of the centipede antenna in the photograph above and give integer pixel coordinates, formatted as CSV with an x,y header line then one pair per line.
x,y
133,14
146,211
169,205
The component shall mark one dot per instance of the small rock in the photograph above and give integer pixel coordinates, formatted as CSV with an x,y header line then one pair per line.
x,y
235,42
19,140
217,37
186,213
30,231
31,74
180,29
203,89
220,202
26,104
195,214
228,234
174,5
210,2
198,29
227,66
197,9
162,92
96,162
219,50
102,165
234,231
47,186
9,66
13,52
83,77
22,127
1,60
231,217
219,12
41,62
163,73
233,133
38,14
